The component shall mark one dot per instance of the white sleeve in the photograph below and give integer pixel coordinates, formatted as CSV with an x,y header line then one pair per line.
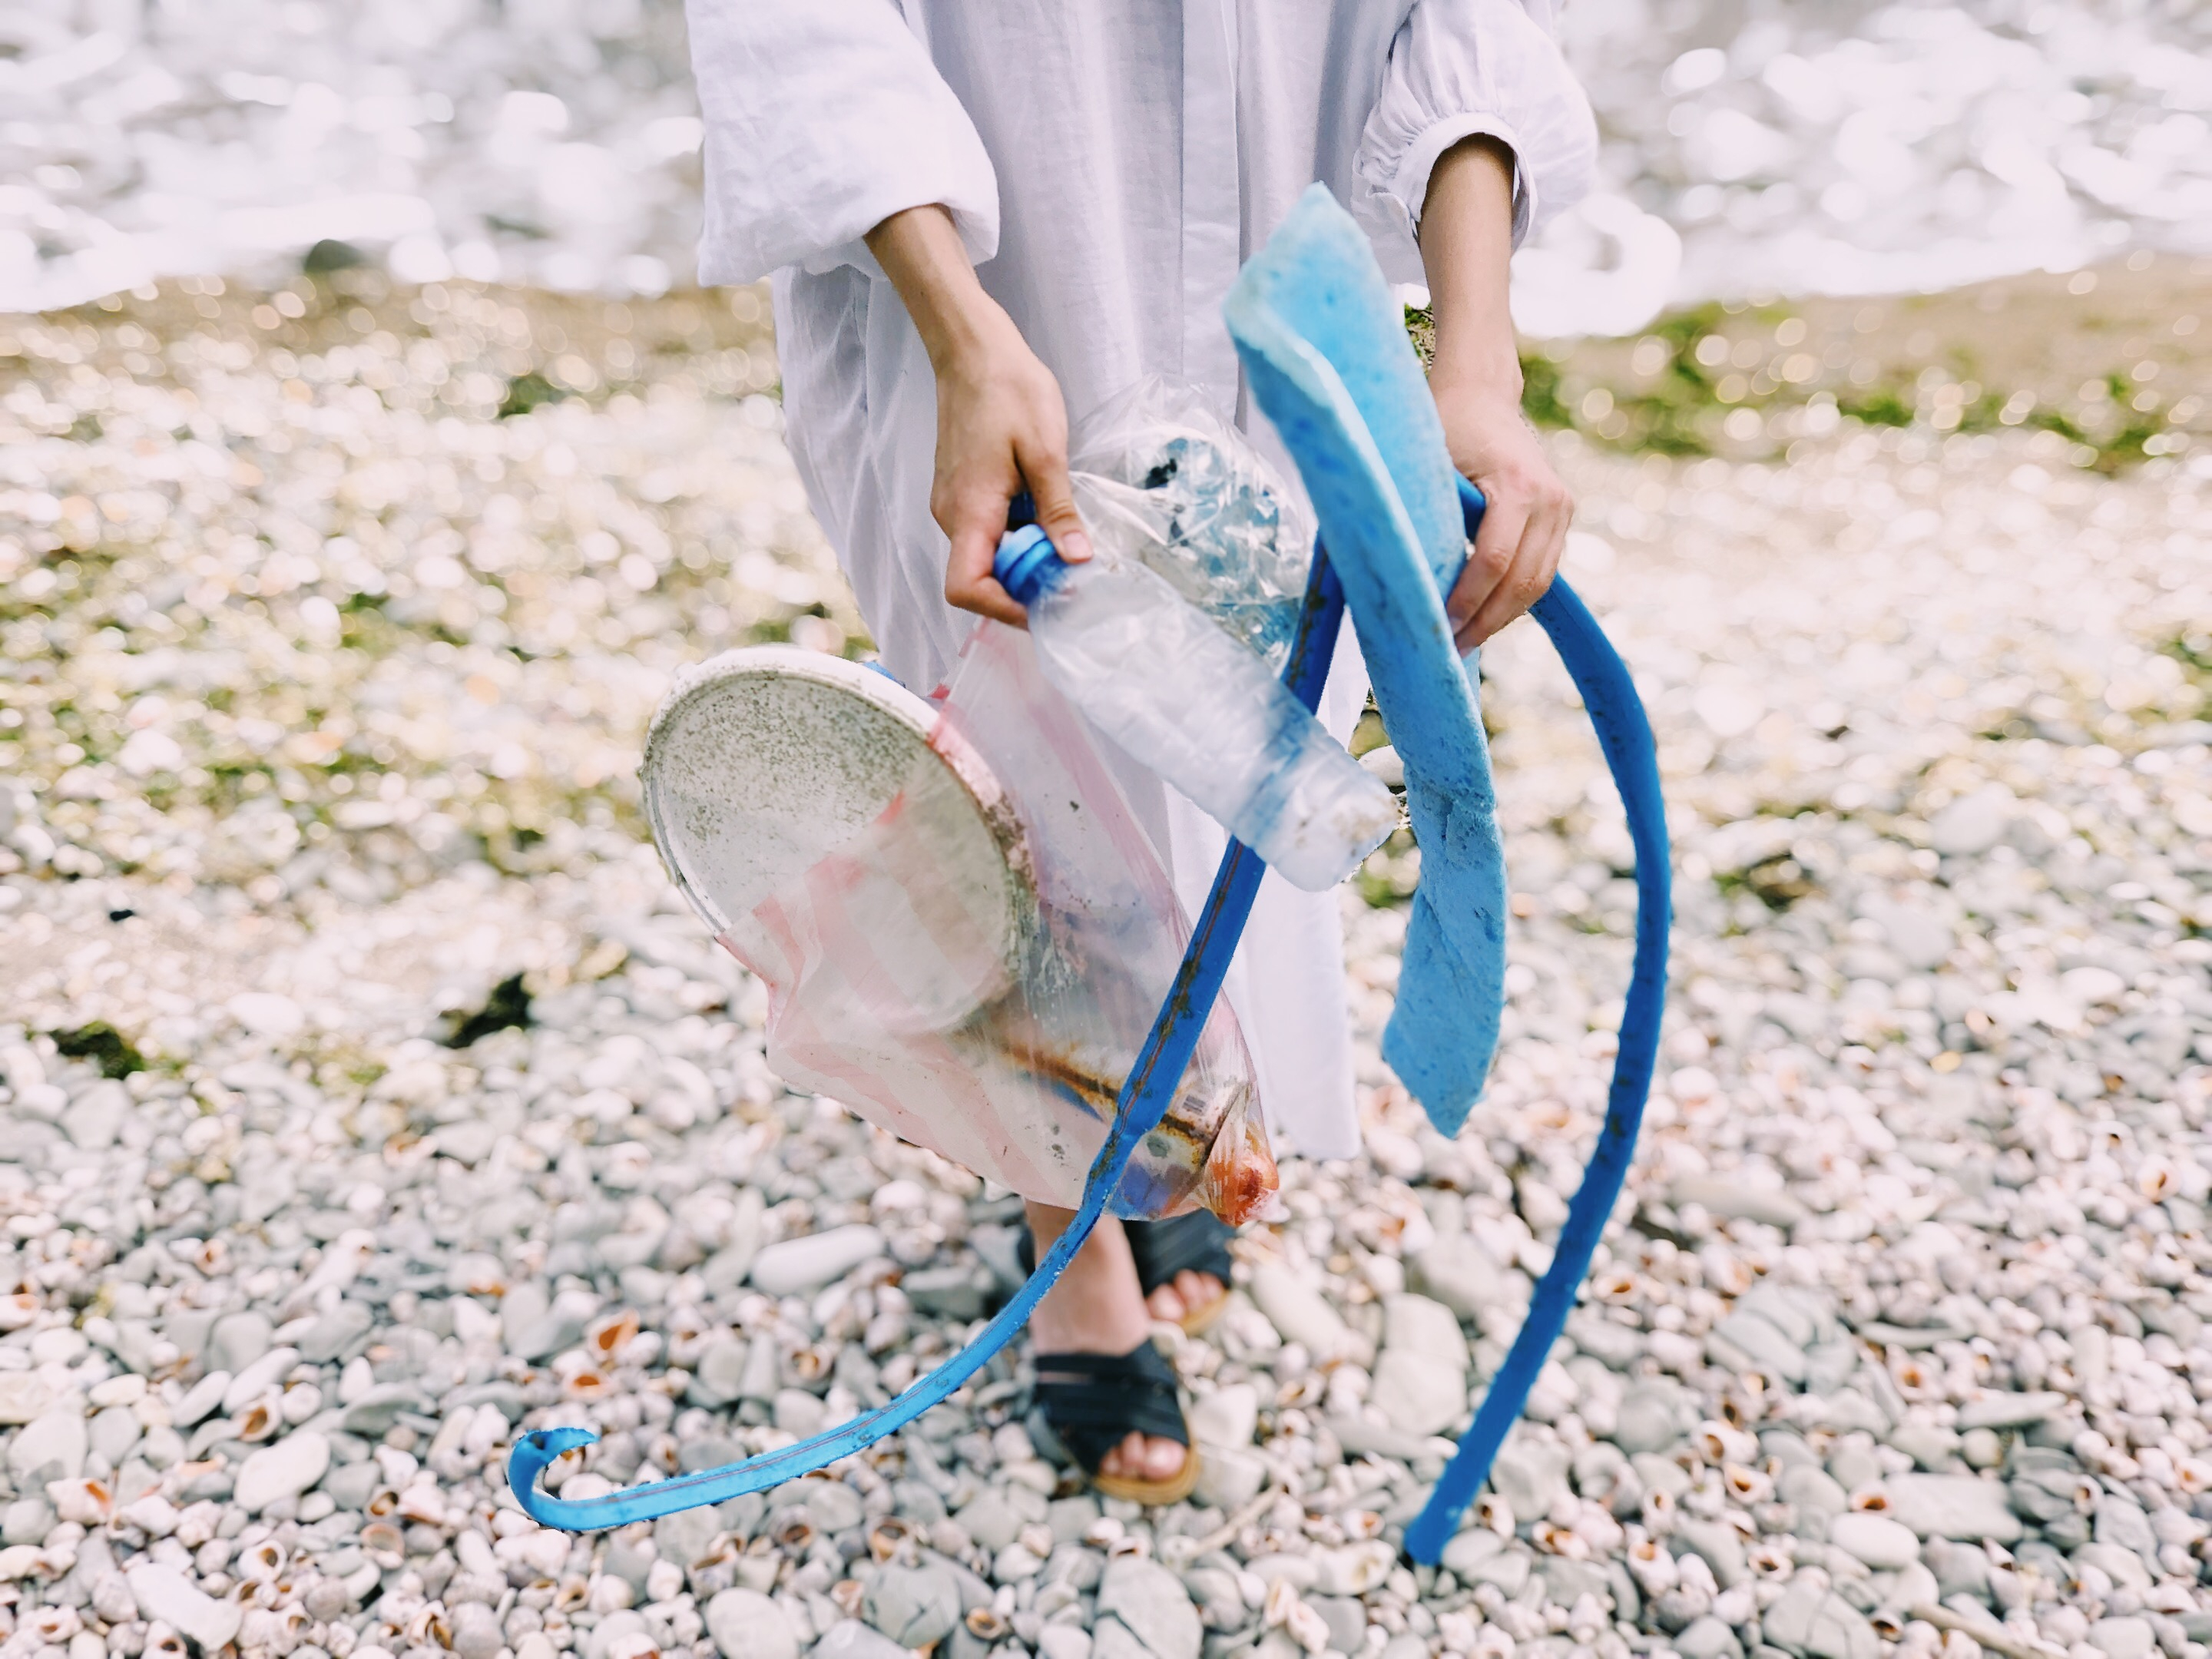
x,y
1463,67
824,117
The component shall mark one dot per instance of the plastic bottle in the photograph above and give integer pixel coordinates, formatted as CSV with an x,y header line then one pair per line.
x,y
1155,674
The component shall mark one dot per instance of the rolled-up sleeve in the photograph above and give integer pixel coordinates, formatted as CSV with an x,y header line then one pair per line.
x,y
1460,68
824,117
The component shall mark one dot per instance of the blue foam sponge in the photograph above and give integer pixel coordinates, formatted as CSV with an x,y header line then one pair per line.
x,y
1325,348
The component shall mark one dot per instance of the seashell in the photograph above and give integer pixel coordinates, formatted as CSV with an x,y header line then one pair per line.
x,y
889,1535
383,1543
300,1402
1722,1443
1746,1402
570,1595
1305,1627
85,1502
663,1582
258,1420
1772,1559
1652,1566
428,1624
985,1624
606,1336
1871,1500
261,1563
162,1642
1746,1486
588,1384
1492,1511
1552,1539
847,1594
422,1502
1595,1525
54,1626
1915,1378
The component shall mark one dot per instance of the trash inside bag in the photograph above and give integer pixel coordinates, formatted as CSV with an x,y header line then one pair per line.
x,y
1160,478
972,968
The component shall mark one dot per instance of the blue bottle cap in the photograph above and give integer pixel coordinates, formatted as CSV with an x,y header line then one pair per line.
x,y
1026,563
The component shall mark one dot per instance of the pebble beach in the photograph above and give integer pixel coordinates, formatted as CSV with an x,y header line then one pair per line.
x,y
370,1097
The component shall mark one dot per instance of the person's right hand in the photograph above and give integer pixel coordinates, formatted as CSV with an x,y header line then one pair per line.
x,y
1001,424
1001,427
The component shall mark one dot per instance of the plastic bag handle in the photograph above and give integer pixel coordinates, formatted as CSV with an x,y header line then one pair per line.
x,y
1625,734
1144,1099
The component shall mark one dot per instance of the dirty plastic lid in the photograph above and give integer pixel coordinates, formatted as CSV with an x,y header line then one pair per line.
x,y
766,759
1026,563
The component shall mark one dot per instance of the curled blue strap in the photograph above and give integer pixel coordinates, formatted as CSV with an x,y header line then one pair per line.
x,y
1624,735
1145,1096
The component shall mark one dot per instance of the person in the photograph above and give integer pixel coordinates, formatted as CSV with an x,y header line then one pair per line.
x,y
980,215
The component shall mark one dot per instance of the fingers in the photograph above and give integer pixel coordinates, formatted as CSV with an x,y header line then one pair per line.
x,y
1496,542
1044,468
1503,581
973,519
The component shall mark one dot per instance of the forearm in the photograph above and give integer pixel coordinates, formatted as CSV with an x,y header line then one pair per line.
x,y
1466,251
1467,245
1002,427
921,252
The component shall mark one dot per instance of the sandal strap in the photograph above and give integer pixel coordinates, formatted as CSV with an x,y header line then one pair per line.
x,y
1094,1401
1196,1241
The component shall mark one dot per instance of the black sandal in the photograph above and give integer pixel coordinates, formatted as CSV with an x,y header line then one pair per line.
x,y
1094,1401
1197,1241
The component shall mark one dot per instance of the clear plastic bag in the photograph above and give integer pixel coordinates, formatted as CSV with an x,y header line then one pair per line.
x,y
987,1002
1159,478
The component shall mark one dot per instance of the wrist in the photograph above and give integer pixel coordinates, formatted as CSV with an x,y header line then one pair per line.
x,y
963,334
1484,372
921,251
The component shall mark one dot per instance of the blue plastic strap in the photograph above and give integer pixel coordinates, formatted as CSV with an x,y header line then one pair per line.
x,y
1624,735
1145,1096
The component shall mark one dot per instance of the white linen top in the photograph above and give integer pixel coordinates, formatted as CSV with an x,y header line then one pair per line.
x,y
1109,165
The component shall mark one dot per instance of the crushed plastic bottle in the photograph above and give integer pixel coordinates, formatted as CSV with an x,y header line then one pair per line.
x,y
1161,479
1156,676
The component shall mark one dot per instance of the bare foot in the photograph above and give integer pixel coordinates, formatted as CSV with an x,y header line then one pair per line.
x,y
1186,1293
1096,1309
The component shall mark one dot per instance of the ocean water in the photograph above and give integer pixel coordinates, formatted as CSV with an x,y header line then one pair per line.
x,y
1751,146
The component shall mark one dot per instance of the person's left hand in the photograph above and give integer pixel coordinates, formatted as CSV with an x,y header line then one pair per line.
x,y
1524,525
